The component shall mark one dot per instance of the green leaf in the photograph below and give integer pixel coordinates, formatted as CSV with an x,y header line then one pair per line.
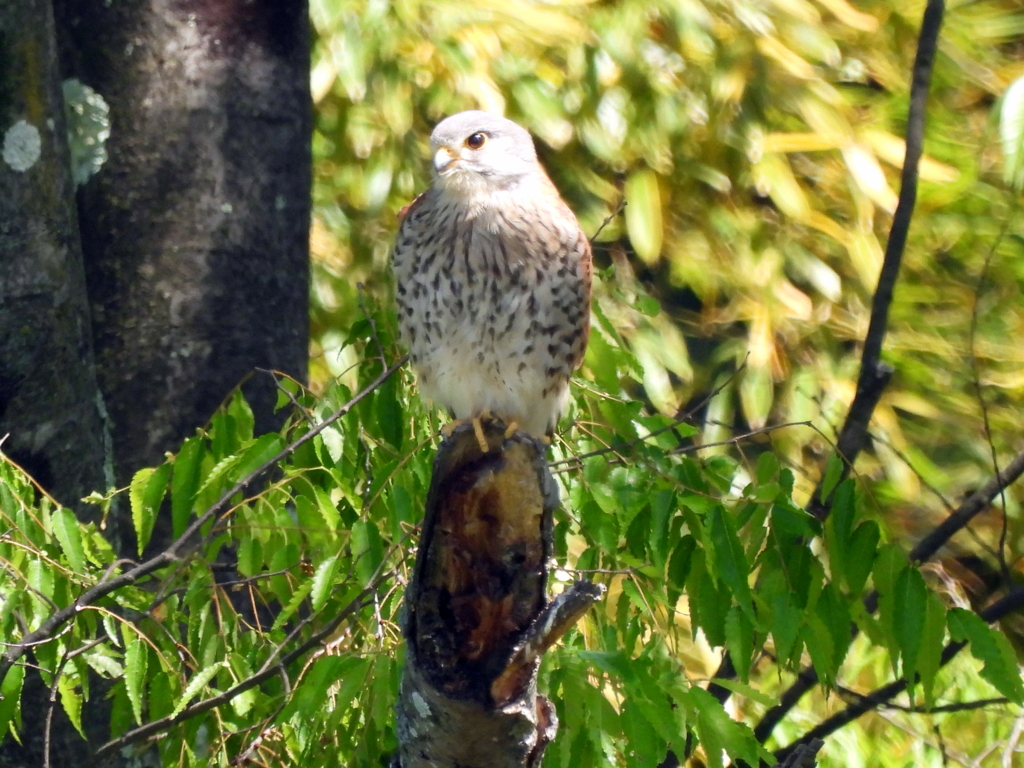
x,y
389,412
680,561
643,214
65,528
833,471
367,550
739,639
820,646
259,453
719,733
135,662
745,690
728,557
991,647
709,604
195,686
185,483
323,582
785,625
910,605
767,468
929,656
293,604
71,700
615,663
891,560
145,494
860,555
10,698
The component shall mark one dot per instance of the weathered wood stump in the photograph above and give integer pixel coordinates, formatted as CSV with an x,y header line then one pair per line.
x,y
478,618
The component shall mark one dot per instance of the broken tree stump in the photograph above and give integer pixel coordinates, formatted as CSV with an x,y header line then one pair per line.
x,y
477,616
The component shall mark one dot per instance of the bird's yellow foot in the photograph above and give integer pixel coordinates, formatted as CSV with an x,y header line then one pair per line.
x,y
478,429
511,429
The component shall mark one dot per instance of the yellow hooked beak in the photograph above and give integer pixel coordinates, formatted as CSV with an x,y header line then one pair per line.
x,y
443,159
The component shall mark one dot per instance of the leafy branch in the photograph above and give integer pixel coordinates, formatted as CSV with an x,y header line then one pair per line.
x,y
184,543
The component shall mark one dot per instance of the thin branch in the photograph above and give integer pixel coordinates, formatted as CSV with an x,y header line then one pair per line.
x,y
966,512
874,374
611,217
976,376
280,388
1014,601
182,544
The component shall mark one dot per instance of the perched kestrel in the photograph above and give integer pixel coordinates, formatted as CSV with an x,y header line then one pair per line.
x,y
493,278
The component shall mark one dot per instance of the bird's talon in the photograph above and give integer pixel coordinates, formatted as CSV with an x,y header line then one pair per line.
x,y
478,430
511,429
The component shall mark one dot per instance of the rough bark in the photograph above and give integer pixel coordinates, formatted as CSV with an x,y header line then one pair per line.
x,y
49,402
478,619
195,230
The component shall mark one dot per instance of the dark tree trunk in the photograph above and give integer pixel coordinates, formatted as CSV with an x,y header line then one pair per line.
x,y
50,410
195,230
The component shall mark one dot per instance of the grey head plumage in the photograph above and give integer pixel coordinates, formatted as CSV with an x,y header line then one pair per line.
x,y
476,150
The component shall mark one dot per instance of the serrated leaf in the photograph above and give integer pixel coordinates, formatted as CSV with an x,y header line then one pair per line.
x,y
185,483
860,556
145,494
10,697
729,559
743,689
389,412
819,644
367,550
929,657
259,453
293,604
833,471
220,469
71,700
992,648
65,528
719,733
136,659
195,686
681,560
142,517
785,625
323,581
105,665
739,639
910,604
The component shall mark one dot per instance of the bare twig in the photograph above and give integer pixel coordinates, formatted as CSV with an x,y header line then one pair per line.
x,y
180,546
611,217
280,388
976,376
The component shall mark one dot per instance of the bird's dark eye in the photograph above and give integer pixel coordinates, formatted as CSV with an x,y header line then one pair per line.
x,y
476,140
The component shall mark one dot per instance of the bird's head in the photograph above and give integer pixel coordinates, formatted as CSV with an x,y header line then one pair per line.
x,y
478,152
